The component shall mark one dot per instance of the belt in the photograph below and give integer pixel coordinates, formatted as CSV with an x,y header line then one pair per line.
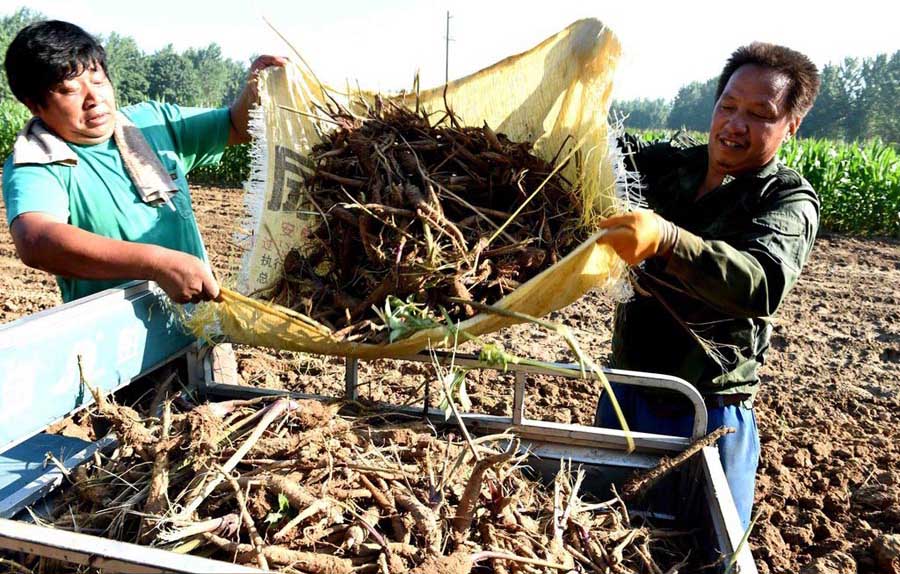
x,y
729,400
670,405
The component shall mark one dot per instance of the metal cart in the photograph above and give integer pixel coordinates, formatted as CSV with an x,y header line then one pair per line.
x,y
115,338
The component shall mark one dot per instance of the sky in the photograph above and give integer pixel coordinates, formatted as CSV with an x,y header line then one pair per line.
x,y
381,44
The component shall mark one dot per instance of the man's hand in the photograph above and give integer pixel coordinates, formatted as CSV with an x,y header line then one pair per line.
x,y
240,109
45,242
638,235
258,65
184,278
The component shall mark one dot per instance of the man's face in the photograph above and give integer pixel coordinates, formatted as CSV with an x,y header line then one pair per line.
x,y
82,109
750,120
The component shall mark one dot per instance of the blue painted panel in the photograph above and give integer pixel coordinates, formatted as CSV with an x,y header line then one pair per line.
x,y
118,335
25,462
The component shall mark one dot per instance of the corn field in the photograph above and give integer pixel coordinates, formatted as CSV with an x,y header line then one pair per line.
x,y
231,171
13,116
858,183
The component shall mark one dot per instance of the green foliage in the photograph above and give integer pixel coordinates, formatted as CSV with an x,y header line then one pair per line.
x,y
832,111
128,69
496,356
232,171
9,27
284,505
405,318
173,78
220,80
693,106
858,184
235,80
641,114
211,73
13,116
879,99
197,77
857,101
453,388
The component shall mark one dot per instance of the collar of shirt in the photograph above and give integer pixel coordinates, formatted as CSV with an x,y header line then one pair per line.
x,y
693,171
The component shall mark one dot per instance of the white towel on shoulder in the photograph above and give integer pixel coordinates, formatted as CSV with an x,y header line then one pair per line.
x,y
36,144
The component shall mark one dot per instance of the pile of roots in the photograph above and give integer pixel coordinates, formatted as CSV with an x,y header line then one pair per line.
x,y
426,212
291,485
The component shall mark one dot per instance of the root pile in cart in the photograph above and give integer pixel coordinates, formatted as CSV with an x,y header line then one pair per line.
x,y
427,213
290,485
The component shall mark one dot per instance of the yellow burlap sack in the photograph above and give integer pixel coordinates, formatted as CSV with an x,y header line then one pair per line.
x,y
557,95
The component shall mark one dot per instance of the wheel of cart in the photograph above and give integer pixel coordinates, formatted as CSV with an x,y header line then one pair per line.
x,y
120,337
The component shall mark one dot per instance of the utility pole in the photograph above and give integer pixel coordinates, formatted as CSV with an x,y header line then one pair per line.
x,y
447,52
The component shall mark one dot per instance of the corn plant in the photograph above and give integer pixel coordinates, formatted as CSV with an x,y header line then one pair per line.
x,y
232,171
13,116
858,183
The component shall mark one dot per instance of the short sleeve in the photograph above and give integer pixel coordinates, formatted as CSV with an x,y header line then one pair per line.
x,y
199,134
29,188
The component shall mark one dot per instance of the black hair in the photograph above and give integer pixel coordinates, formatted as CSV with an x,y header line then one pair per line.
x,y
43,54
800,71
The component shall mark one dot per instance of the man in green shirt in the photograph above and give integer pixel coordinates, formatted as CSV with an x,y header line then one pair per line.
x,y
76,193
729,232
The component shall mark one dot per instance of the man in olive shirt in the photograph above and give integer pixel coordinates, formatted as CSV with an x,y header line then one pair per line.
x,y
729,232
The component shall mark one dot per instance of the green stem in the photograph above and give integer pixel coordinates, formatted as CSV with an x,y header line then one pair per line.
x,y
569,337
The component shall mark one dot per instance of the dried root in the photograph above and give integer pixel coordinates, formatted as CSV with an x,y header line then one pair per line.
x,y
349,497
422,212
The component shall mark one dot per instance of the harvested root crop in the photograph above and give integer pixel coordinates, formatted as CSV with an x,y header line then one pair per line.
x,y
424,213
347,495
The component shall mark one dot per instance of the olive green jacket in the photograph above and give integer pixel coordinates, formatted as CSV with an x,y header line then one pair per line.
x,y
704,314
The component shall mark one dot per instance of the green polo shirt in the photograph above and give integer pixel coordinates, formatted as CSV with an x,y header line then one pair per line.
x,y
98,196
705,314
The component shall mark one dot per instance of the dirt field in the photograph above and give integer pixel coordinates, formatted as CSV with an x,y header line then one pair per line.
x,y
828,491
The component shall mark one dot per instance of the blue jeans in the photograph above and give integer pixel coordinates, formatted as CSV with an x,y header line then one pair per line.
x,y
738,451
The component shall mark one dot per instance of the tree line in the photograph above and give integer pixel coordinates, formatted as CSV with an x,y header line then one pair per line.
x,y
857,101
194,77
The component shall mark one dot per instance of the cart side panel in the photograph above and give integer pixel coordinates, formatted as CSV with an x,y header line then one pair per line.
x,y
106,340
